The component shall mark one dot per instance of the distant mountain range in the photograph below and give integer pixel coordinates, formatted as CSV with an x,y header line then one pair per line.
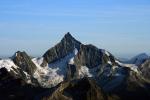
x,y
74,71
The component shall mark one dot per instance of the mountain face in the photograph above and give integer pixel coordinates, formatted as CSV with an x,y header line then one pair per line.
x,y
74,71
91,56
67,45
139,59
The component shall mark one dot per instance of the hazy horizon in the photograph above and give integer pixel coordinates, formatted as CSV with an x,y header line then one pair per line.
x,y
120,27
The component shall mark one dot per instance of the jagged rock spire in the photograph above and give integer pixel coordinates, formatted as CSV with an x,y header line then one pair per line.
x,y
22,60
66,46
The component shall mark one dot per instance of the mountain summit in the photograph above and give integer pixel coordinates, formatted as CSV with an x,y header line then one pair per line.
x,y
62,49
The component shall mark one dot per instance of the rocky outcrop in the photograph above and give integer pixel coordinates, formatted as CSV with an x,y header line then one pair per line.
x,y
25,63
145,69
67,45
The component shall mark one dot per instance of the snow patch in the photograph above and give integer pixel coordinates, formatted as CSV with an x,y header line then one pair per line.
x,y
53,73
8,64
114,67
133,67
71,62
106,52
72,59
109,62
75,51
84,71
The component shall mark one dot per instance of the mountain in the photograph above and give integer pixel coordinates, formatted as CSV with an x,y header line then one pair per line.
x,y
71,70
67,45
139,59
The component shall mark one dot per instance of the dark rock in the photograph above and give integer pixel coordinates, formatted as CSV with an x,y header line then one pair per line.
x,y
91,56
12,88
22,60
145,69
132,87
83,89
67,45
71,72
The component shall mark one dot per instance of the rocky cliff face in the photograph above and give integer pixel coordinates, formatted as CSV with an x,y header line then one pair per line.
x,y
91,57
25,68
67,45
145,69
22,60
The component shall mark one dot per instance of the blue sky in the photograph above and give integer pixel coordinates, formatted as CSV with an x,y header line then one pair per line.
x,y
119,26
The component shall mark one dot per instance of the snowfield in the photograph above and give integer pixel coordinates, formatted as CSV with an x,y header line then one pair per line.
x,y
53,73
